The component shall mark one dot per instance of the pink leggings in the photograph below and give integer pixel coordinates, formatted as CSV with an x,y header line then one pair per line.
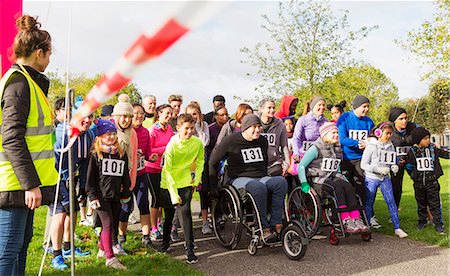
x,y
108,212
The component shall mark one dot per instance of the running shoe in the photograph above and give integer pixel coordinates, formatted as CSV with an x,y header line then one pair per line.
x,y
101,254
440,230
190,257
146,241
206,229
400,233
174,236
85,222
78,253
374,223
165,248
119,251
58,263
421,226
156,236
114,263
49,249
350,226
362,227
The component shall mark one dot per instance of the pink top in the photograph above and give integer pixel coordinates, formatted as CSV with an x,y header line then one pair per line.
x,y
134,159
159,137
143,138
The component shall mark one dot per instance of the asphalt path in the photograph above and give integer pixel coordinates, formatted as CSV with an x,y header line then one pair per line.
x,y
384,255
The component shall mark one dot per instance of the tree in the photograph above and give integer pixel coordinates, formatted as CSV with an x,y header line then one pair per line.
x,y
438,106
430,44
82,85
361,80
308,44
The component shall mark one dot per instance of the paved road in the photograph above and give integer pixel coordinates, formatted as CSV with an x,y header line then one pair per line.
x,y
384,255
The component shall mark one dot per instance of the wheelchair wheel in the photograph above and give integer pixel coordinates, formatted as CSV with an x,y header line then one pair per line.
x,y
334,239
293,241
253,246
227,218
306,209
366,236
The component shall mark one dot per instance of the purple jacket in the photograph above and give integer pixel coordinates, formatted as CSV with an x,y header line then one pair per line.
x,y
306,129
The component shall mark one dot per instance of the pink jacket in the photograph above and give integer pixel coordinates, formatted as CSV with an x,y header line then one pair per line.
x,y
143,138
158,142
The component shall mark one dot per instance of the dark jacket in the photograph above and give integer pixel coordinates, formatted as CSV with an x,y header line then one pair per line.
x,y
15,109
422,177
107,187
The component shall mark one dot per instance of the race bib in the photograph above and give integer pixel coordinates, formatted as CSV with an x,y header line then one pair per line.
x,y
252,155
113,167
141,163
424,164
402,150
388,157
162,160
330,164
270,138
358,134
306,145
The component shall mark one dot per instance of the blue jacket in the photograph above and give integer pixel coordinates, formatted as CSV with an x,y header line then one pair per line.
x,y
349,121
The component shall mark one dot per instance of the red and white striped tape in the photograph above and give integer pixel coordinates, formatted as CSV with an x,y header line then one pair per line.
x,y
146,47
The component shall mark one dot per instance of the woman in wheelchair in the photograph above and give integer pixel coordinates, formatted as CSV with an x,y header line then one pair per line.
x,y
246,154
321,164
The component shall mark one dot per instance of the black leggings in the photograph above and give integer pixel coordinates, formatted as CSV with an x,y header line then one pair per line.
x,y
154,186
355,176
345,193
397,185
185,215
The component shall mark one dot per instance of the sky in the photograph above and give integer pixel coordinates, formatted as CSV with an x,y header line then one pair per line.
x,y
207,61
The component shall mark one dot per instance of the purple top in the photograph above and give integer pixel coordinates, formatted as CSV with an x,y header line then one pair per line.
x,y
306,130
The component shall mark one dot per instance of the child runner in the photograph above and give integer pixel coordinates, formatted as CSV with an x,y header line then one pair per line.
x,y
378,159
323,160
177,183
336,110
108,185
424,168
160,134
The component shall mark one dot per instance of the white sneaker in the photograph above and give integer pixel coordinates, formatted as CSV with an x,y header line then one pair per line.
x,y
119,251
114,263
85,222
101,254
206,229
374,223
400,233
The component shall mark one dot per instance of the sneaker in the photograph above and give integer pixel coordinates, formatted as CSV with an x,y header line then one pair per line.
x,y
191,258
156,236
49,249
161,227
269,237
119,251
350,226
114,263
421,226
165,248
98,231
85,222
133,220
374,223
400,233
101,254
206,229
58,263
360,223
78,253
440,230
146,241
194,246
174,236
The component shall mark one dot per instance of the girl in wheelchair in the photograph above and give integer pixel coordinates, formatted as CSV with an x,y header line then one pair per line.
x,y
321,163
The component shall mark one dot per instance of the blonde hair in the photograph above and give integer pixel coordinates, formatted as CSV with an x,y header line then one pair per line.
x,y
195,105
97,148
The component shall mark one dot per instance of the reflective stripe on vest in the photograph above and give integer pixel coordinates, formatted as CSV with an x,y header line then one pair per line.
x,y
38,138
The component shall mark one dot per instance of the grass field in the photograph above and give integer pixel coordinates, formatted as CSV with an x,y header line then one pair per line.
x,y
408,211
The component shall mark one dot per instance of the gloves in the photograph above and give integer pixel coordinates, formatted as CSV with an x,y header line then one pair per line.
x,y
382,170
125,200
95,204
394,169
305,187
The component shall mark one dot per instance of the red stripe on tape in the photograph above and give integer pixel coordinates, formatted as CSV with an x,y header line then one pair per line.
x,y
114,83
157,44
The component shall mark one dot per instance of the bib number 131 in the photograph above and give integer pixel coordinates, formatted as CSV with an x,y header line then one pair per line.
x,y
330,164
252,155
113,167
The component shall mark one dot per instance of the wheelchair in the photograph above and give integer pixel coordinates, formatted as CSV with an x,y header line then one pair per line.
x,y
313,211
234,211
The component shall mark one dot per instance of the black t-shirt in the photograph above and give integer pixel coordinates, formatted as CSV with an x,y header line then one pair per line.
x,y
245,158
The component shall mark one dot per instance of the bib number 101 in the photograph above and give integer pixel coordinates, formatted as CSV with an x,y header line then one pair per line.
x,y
113,167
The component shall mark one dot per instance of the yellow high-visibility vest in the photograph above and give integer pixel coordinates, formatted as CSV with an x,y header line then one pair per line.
x,y
38,137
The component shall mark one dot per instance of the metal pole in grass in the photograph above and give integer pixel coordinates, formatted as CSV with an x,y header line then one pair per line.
x,y
71,199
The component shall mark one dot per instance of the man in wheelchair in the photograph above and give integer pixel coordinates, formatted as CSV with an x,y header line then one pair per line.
x,y
246,155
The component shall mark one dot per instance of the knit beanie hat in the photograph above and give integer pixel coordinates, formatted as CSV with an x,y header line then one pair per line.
x,y
327,127
418,134
123,107
104,126
315,100
395,112
107,110
359,100
249,120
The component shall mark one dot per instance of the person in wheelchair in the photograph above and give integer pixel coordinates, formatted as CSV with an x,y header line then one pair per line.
x,y
321,163
246,154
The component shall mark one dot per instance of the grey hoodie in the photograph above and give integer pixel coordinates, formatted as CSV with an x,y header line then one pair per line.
x,y
276,135
373,154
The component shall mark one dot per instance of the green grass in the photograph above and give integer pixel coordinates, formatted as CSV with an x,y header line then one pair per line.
x,y
408,212
139,262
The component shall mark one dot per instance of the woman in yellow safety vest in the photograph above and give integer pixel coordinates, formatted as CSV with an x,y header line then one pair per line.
x,y
27,165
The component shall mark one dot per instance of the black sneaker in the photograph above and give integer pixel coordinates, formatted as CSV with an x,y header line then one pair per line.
x,y
440,230
147,242
165,248
191,258
421,226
